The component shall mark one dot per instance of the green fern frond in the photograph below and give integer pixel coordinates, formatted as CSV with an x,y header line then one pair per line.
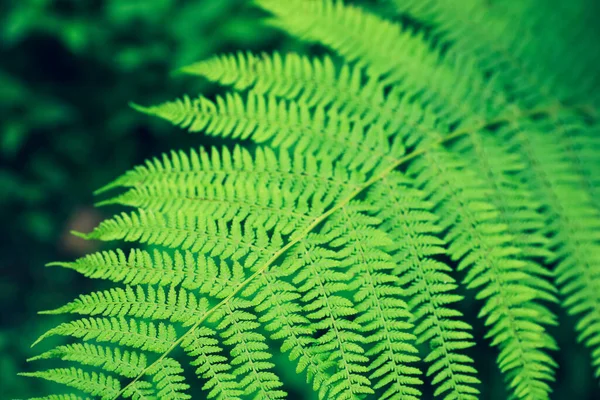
x,y
178,306
168,379
324,21
484,247
388,51
61,397
574,222
212,365
378,297
143,267
343,90
583,152
534,68
278,302
231,116
429,286
125,363
188,233
280,124
127,332
308,26
310,81
95,384
250,355
417,151
322,282
269,191
218,167
140,390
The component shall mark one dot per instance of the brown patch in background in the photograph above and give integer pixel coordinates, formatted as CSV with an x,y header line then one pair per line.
x,y
84,220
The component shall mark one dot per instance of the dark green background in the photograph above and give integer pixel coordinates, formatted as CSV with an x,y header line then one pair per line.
x,y
68,68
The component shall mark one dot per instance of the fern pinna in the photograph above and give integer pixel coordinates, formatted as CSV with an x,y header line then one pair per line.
x,y
453,138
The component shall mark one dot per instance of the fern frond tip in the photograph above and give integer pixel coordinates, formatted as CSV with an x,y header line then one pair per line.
x,y
107,202
86,236
43,356
106,188
185,70
140,108
59,264
59,310
178,72
38,340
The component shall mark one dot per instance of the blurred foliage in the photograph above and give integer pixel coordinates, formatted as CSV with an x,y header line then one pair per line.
x,y
69,68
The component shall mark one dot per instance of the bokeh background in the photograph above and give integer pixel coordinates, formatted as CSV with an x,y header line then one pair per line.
x,y
68,69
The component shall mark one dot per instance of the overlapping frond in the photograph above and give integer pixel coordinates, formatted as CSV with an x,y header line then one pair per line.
x,y
125,363
156,304
387,50
379,297
485,249
126,332
282,124
278,300
534,69
429,287
573,222
250,356
212,364
322,282
460,200
310,81
168,380
95,384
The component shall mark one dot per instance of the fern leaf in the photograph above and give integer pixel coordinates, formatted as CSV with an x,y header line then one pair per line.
x,y
378,298
127,332
531,67
386,51
322,282
140,390
574,223
180,168
581,146
585,152
309,26
317,83
332,236
278,302
430,288
514,201
483,244
249,353
212,364
280,124
191,271
324,21
243,176
273,192
96,384
168,379
125,363
60,397
258,117
177,230
151,303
